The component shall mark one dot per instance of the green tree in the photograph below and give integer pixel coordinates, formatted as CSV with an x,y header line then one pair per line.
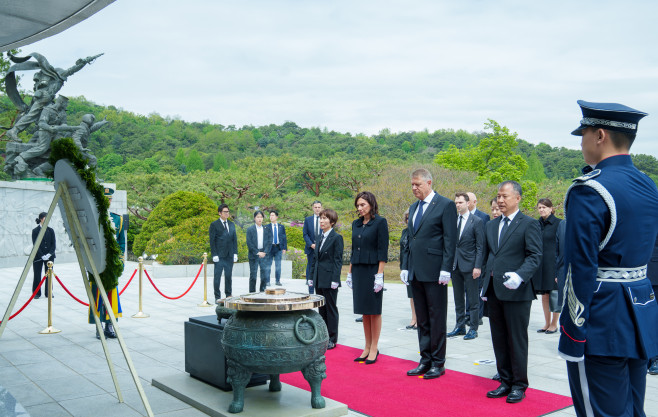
x,y
535,170
219,162
180,156
494,160
110,161
406,146
194,162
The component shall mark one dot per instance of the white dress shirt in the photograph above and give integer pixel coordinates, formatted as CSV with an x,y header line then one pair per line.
x,y
259,233
427,201
464,219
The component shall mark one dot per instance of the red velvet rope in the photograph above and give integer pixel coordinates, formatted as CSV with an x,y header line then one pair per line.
x,y
69,293
131,278
28,301
174,298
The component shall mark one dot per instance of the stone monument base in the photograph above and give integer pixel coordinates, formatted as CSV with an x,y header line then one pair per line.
x,y
258,401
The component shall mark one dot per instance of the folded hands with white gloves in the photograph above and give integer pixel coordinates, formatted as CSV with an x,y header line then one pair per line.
x,y
334,285
348,281
379,282
444,278
215,259
512,280
45,257
235,257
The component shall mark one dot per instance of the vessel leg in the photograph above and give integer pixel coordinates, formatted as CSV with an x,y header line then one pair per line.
x,y
314,373
275,383
238,377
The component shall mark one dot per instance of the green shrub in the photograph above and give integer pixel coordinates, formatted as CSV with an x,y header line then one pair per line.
x,y
298,258
295,237
172,211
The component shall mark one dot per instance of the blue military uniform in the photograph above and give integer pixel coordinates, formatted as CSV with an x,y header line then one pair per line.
x,y
609,313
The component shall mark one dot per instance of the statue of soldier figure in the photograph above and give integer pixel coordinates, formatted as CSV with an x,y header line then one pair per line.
x,y
49,114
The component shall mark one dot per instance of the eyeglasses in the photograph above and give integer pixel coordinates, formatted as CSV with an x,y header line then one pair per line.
x,y
225,211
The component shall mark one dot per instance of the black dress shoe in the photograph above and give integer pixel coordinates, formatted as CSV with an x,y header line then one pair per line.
x,y
36,297
434,372
458,331
550,331
419,370
499,392
98,336
331,345
515,396
359,320
541,330
412,326
472,334
361,359
370,362
496,377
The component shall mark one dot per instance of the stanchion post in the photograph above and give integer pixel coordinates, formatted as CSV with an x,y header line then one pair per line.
x,y
140,314
49,282
205,302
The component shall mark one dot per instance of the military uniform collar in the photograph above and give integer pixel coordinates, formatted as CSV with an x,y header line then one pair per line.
x,y
621,159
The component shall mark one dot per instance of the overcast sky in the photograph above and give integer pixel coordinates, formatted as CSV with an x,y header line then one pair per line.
x,y
362,66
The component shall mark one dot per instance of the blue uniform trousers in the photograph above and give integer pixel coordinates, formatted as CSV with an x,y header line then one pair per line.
x,y
603,386
309,260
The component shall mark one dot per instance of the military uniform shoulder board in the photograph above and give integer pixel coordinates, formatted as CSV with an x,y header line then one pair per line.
x,y
592,174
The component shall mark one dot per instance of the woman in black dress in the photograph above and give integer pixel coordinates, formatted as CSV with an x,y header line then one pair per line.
x,y
366,271
545,279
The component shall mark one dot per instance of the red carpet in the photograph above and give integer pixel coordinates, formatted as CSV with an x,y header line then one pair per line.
x,y
384,390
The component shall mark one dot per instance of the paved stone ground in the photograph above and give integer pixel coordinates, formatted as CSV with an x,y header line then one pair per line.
x,y
65,374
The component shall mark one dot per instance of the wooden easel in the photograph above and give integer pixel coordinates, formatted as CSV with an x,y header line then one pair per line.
x,y
81,248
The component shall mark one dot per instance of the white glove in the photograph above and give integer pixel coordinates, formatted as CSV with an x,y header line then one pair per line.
x,y
45,257
309,283
235,257
379,282
404,276
513,281
334,285
444,278
215,258
348,281
484,298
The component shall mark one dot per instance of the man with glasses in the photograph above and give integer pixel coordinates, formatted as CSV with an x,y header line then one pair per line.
x,y
224,249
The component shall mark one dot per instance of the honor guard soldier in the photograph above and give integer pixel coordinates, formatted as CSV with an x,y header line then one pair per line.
x,y
120,225
608,322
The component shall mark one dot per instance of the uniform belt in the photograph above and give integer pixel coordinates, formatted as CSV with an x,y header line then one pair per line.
x,y
617,274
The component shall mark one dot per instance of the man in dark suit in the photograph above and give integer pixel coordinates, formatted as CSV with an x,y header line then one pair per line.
x,y
45,253
259,243
427,266
279,245
472,209
224,250
326,266
310,231
467,268
513,247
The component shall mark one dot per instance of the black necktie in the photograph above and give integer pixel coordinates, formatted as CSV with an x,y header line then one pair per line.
x,y
459,227
317,226
503,230
225,226
321,239
419,215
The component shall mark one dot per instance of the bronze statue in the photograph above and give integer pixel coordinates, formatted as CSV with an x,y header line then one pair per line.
x,y
31,159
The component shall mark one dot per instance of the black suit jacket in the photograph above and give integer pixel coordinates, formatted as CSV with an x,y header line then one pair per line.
x,y
520,251
484,216
469,252
328,261
47,245
308,233
283,239
222,243
252,241
432,247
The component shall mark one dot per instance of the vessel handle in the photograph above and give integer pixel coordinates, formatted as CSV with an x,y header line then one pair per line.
x,y
302,319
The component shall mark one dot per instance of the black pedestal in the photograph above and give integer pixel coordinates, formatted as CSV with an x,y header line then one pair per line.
x,y
204,355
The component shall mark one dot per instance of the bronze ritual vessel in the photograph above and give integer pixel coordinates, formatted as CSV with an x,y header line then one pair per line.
x,y
275,332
